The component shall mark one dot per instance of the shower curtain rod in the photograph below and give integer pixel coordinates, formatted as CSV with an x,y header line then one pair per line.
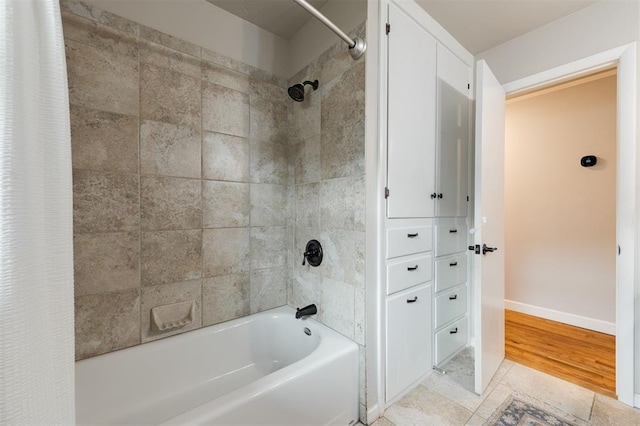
x,y
357,46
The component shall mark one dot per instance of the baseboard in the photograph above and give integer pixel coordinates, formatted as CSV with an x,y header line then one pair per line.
x,y
563,317
636,402
373,414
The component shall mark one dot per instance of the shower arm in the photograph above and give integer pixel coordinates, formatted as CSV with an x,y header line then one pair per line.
x,y
357,46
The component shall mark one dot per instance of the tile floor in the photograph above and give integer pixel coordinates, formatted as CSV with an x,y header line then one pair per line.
x,y
449,399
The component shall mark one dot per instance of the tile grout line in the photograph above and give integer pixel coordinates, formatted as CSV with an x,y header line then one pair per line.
x,y
139,183
593,404
202,180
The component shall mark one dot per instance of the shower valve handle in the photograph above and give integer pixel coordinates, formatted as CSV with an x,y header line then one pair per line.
x,y
308,253
312,253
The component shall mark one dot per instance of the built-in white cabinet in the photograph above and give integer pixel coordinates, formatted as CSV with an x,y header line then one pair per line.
x,y
452,159
450,236
408,271
450,339
450,288
428,124
411,127
407,239
426,201
409,278
449,305
408,338
450,228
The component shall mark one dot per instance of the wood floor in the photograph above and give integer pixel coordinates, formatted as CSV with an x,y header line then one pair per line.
x,y
581,356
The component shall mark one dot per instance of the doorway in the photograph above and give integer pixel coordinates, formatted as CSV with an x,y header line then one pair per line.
x,y
560,230
625,59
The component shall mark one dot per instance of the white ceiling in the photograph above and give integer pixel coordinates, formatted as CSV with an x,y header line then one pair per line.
x,y
477,24
482,24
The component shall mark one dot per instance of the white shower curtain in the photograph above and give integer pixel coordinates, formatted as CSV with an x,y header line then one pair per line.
x,y
36,256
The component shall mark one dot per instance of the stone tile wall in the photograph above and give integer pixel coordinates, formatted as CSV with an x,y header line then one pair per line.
x,y
197,178
327,193
179,178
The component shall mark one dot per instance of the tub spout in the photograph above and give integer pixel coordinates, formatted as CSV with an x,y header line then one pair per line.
x,y
306,311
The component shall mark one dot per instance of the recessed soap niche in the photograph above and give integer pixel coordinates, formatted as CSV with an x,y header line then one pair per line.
x,y
172,316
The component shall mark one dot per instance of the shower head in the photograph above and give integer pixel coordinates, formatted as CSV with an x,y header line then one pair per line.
x,y
297,90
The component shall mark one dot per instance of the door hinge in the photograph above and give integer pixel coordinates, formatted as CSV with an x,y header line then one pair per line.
x,y
386,193
388,28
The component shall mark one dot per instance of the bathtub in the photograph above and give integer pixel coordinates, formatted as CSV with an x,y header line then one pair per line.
x,y
265,369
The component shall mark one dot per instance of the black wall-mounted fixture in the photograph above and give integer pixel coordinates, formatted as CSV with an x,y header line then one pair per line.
x,y
297,90
588,161
313,253
306,311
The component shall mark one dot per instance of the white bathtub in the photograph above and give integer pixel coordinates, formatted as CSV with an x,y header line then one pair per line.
x,y
259,370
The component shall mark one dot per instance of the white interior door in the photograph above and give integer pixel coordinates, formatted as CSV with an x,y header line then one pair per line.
x,y
488,270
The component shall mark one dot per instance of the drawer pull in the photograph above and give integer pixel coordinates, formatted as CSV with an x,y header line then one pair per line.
x,y
453,264
454,297
412,268
412,235
414,300
453,231
453,331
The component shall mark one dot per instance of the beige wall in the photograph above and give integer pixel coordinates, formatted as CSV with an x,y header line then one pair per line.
x,y
560,217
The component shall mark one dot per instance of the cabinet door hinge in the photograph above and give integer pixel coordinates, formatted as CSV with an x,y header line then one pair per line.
x,y
386,193
388,27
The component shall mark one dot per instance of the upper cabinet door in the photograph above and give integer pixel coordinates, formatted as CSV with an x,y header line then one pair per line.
x,y
453,136
412,118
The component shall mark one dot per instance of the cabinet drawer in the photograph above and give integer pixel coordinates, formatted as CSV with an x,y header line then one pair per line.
x,y
451,236
408,271
450,305
451,271
408,344
450,339
404,241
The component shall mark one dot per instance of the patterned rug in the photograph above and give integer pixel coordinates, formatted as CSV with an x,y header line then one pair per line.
x,y
521,410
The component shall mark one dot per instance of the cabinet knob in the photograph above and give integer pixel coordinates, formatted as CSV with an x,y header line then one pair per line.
x,y
453,231
440,196
412,268
412,235
453,331
414,300
454,297
433,196
452,264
